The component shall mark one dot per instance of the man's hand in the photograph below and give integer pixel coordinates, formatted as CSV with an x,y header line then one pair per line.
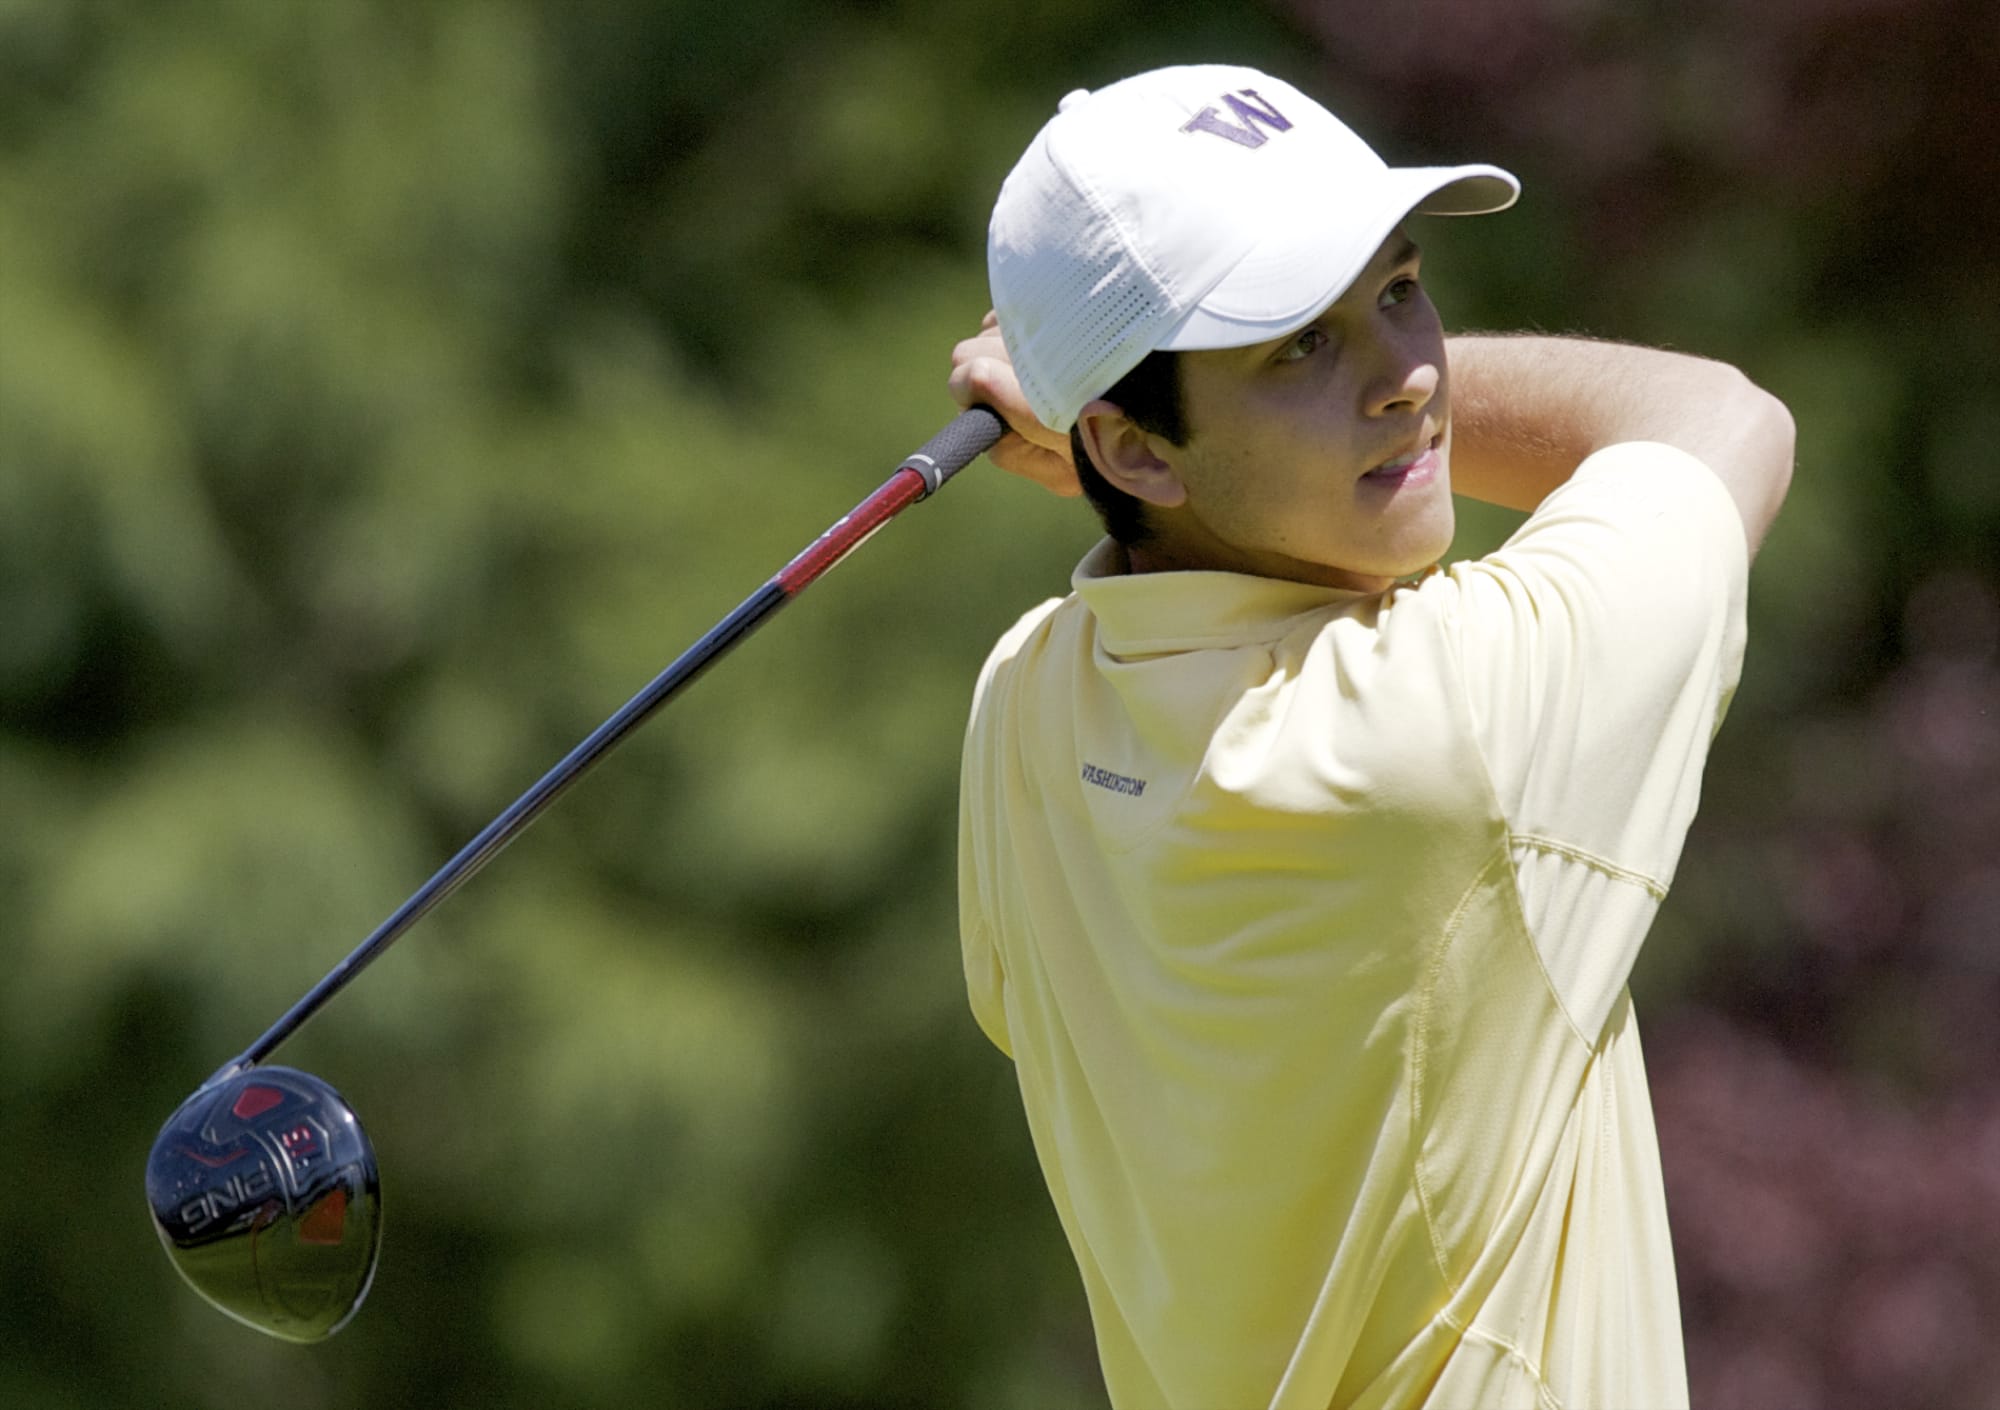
x,y
981,373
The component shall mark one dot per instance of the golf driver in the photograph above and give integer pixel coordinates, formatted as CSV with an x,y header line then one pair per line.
x,y
263,1185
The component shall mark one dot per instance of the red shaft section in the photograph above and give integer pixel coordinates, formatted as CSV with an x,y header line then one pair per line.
x,y
961,440
898,492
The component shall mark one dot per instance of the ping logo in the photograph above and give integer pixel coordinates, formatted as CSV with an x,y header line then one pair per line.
x,y
217,1200
1252,113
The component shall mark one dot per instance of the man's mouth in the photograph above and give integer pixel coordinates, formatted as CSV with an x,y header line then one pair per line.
x,y
1414,467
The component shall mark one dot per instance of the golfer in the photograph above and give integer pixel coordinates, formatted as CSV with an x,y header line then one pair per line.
x,y
1300,882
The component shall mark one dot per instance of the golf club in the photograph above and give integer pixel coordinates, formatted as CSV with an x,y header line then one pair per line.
x,y
263,1185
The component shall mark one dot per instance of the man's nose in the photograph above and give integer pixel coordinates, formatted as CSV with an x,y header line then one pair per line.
x,y
1407,385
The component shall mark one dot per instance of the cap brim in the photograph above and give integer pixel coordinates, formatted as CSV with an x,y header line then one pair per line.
x,y
1466,190
1285,281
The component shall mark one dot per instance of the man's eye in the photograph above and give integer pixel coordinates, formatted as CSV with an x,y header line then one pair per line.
x,y
1306,344
1399,291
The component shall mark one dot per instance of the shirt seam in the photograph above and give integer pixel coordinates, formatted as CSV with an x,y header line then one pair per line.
x,y
1545,1395
1537,842
1534,942
1501,860
1419,1061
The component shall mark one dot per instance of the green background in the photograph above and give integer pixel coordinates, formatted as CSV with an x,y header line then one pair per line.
x,y
388,390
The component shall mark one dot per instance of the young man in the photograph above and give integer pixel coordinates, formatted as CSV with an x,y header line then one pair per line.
x,y
1301,894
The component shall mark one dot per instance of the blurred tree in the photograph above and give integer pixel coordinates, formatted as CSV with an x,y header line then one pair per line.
x,y
386,391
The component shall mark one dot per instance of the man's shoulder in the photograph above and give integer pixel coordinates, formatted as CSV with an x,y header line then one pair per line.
x,y
1019,644
1036,622
1037,619
1641,489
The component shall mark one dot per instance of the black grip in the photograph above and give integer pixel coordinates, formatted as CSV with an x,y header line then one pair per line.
x,y
964,439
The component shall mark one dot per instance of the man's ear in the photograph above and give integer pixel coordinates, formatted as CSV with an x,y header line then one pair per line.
x,y
1128,456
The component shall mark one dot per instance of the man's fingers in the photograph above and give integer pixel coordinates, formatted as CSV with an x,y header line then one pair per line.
x,y
981,374
1046,468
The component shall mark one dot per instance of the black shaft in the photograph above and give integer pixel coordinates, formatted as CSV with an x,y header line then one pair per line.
x,y
960,442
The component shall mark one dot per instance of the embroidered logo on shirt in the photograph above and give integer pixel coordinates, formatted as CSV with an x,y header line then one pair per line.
x,y
1117,783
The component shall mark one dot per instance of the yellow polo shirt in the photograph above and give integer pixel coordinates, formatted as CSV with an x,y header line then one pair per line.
x,y
1306,918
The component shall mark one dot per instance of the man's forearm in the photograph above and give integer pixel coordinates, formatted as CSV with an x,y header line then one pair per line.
x,y
1526,409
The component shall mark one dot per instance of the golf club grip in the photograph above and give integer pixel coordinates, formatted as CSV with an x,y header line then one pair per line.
x,y
950,450
963,440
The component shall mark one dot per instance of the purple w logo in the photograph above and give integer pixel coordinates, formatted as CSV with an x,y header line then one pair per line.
x,y
1244,132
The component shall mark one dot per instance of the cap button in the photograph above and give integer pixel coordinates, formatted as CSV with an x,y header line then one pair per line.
x,y
1072,98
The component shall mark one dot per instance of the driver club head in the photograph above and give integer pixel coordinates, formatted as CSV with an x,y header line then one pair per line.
x,y
265,1192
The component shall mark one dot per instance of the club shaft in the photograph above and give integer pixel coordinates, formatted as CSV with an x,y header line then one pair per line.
x,y
971,433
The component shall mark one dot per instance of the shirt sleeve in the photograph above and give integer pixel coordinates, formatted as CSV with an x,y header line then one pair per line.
x,y
985,977
1601,646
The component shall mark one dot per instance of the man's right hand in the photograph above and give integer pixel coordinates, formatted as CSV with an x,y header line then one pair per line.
x,y
982,373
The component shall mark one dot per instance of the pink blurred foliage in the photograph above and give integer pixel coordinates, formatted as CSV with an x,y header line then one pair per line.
x,y
1830,1115
1837,1244
1635,116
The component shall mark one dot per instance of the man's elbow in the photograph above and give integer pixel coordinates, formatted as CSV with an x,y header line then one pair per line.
x,y
1775,441
1766,444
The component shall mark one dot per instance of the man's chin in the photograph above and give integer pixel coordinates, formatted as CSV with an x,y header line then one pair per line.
x,y
1434,543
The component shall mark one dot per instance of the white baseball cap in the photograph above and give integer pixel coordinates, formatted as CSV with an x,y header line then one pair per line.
x,y
1207,206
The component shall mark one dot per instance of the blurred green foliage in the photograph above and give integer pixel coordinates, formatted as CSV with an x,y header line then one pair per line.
x,y
388,390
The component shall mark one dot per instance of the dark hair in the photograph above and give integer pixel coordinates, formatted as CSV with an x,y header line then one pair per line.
x,y
1150,394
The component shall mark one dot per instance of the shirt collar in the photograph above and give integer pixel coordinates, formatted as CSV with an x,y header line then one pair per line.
x,y
1142,613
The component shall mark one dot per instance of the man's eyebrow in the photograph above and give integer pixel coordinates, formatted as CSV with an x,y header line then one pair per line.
x,y
1402,252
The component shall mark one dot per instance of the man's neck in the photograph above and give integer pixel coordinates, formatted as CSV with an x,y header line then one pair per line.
x,y
1164,554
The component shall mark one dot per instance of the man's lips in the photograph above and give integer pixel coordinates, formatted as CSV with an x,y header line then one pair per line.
x,y
1413,467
